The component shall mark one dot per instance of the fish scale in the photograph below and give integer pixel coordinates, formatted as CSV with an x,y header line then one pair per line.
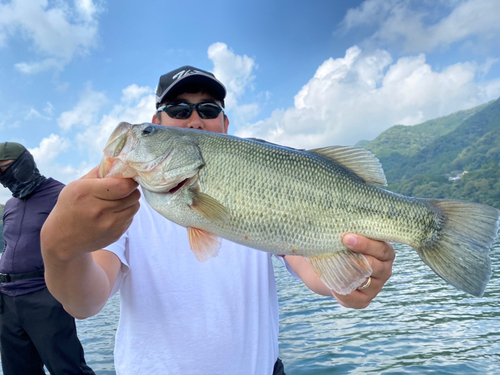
x,y
296,202
276,198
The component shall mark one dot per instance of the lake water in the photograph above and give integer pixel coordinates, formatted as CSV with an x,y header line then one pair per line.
x,y
417,325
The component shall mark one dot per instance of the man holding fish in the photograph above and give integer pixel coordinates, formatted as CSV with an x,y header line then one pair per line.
x,y
178,315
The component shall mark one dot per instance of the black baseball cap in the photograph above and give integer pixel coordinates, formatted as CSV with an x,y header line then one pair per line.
x,y
11,150
172,81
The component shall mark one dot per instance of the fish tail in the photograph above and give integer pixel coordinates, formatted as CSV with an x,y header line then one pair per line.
x,y
460,251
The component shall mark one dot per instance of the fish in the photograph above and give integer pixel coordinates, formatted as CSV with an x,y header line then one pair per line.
x,y
288,201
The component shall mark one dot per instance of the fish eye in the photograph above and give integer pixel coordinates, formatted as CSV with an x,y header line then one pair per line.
x,y
148,130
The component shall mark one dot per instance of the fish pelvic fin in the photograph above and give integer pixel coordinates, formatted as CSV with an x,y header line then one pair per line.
x,y
359,161
342,271
208,207
460,252
204,244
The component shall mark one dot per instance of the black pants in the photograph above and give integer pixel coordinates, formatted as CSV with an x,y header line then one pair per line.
x,y
36,330
279,369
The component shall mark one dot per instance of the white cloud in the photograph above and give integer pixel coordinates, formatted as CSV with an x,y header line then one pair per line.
x,y
486,67
57,31
87,9
243,113
370,12
39,66
85,111
49,109
49,152
408,22
363,93
137,106
33,114
133,93
234,71
49,149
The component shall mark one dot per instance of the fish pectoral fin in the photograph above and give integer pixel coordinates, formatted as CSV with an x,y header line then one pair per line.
x,y
358,160
209,207
343,271
204,244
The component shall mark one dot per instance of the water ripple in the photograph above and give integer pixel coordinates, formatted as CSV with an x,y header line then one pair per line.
x,y
418,324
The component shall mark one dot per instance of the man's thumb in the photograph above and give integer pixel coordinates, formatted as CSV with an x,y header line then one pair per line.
x,y
94,173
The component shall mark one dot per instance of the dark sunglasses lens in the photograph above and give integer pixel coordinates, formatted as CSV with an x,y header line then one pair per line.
x,y
179,110
209,110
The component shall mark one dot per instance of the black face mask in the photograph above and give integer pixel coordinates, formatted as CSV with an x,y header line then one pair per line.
x,y
22,176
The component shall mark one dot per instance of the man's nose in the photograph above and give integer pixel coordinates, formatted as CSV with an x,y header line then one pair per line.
x,y
195,121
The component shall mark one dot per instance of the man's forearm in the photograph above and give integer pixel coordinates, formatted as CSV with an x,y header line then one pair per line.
x,y
79,283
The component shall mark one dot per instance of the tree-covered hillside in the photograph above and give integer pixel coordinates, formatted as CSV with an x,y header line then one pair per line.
x,y
409,140
419,160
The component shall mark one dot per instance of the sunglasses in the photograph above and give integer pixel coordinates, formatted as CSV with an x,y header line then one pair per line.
x,y
183,110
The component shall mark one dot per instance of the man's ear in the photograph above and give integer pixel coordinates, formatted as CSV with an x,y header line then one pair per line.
x,y
155,119
226,123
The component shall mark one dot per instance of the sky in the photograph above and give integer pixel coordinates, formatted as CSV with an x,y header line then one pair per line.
x,y
304,74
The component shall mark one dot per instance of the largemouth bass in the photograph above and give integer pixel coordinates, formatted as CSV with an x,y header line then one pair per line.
x,y
296,202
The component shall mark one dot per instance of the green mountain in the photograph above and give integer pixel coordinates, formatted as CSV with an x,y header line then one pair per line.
x,y
419,160
409,140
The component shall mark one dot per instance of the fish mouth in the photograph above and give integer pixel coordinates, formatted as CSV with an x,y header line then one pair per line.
x,y
171,188
178,186
117,139
110,164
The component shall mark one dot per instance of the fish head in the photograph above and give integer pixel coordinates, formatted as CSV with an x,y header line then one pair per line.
x,y
157,157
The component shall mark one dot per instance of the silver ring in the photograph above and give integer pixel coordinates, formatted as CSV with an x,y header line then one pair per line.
x,y
367,284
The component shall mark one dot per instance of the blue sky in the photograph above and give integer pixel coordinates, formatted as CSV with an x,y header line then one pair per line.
x,y
300,73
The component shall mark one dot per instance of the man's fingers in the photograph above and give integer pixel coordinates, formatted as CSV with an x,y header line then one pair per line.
x,y
359,299
109,188
383,251
356,300
380,255
128,202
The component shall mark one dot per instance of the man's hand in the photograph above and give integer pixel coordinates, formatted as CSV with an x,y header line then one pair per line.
x,y
380,255
90,214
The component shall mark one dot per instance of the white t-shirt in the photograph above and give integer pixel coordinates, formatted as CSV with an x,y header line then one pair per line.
x,y
181,316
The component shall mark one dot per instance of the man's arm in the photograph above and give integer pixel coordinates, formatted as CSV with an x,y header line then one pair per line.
x,y
90,214
379,254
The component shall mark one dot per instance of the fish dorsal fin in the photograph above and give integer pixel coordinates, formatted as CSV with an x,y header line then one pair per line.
x,y
359,161
274,144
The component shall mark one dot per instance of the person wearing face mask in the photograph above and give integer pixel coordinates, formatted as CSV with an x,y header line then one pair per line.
x,y
35,330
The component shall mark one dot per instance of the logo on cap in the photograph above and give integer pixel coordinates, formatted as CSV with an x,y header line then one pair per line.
x,y
183,73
